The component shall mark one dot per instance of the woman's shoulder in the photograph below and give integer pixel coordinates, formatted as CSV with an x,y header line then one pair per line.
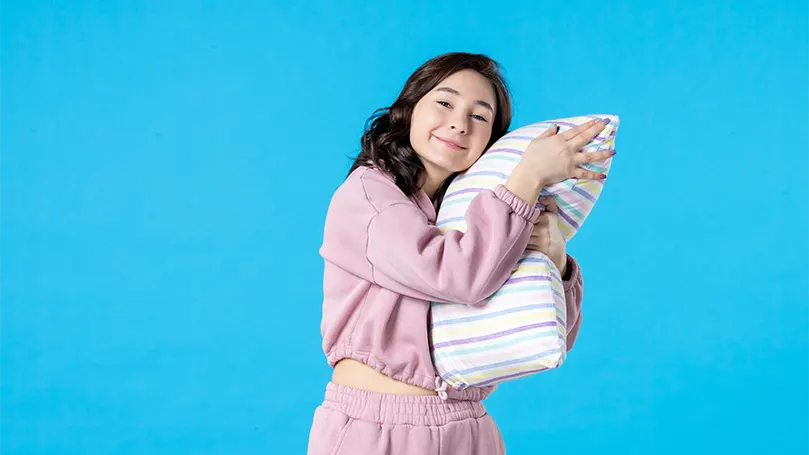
x,y
374,186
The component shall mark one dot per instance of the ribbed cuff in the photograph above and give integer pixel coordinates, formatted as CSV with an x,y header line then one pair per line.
x,y
572,272
520,207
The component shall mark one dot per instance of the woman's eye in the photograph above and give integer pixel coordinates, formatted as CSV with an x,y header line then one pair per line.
x,y
449,106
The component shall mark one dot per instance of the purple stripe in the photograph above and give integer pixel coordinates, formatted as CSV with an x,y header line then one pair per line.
x,y
527,278
468,190
569,220
494,335
604,138
510,376
510,362
542,260
481,317
513,375
504,150
584,193
477,174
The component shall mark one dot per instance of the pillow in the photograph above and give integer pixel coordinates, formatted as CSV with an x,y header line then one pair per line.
x,y
521,329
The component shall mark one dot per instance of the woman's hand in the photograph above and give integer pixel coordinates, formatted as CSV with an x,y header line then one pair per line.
x,y
556,157
552,157
547,237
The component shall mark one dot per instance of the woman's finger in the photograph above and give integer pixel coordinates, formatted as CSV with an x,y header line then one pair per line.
x,y
576,130
592,157
550,204
588,175
550,131
585,137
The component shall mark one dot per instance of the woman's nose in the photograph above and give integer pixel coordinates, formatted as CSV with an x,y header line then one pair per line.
x,y
460,125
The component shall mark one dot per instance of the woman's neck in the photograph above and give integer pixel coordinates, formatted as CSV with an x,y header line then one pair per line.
x,y
431,182
430,188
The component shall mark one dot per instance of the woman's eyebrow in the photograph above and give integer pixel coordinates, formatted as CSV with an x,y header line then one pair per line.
x,y
457,93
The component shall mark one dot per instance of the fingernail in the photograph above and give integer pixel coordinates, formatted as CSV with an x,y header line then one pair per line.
x,y
606,121
613,152
603,176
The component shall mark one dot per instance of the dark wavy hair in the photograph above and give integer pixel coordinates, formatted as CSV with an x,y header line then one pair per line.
x,y
386,139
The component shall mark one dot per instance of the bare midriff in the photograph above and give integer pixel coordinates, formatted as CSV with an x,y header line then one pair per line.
x,y
351,373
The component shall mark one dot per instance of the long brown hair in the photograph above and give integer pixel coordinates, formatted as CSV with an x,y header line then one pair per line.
x,y
386,139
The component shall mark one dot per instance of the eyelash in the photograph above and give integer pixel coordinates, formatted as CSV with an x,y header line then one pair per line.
x,y
449,105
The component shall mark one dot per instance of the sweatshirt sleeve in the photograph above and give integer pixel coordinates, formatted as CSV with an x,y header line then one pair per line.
x,y
574,288
412,257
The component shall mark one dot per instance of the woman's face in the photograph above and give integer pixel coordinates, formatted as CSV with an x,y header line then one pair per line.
x,y
451,125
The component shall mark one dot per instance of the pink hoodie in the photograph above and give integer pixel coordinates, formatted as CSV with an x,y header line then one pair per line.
x,y
386,260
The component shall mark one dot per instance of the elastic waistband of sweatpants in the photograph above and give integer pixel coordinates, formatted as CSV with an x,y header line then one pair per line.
x,y
399,409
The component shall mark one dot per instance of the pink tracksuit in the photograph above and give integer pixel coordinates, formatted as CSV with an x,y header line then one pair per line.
x,y
385,260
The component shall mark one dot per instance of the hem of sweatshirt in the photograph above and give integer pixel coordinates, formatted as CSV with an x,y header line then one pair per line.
x,y
520,207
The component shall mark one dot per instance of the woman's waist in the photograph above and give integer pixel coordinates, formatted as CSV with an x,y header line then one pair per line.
x,y
353,373
413,375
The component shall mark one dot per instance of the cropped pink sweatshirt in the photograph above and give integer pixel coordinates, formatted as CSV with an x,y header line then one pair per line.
x,y
385,260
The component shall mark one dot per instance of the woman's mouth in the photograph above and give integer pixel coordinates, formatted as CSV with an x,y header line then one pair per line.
x,y
450,144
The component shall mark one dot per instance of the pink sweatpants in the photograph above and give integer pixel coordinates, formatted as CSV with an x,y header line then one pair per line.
x,y
353,421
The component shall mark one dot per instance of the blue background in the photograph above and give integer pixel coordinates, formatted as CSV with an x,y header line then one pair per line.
x,y
166,169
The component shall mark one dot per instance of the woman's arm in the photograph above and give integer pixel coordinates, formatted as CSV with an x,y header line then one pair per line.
x,y
412,257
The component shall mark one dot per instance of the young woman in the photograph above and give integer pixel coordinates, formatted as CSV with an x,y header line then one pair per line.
x,y
385,259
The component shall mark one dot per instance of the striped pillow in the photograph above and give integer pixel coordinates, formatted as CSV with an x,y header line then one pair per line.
x,y
521,328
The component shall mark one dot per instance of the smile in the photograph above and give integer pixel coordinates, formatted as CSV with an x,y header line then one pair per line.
x,y
450,144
